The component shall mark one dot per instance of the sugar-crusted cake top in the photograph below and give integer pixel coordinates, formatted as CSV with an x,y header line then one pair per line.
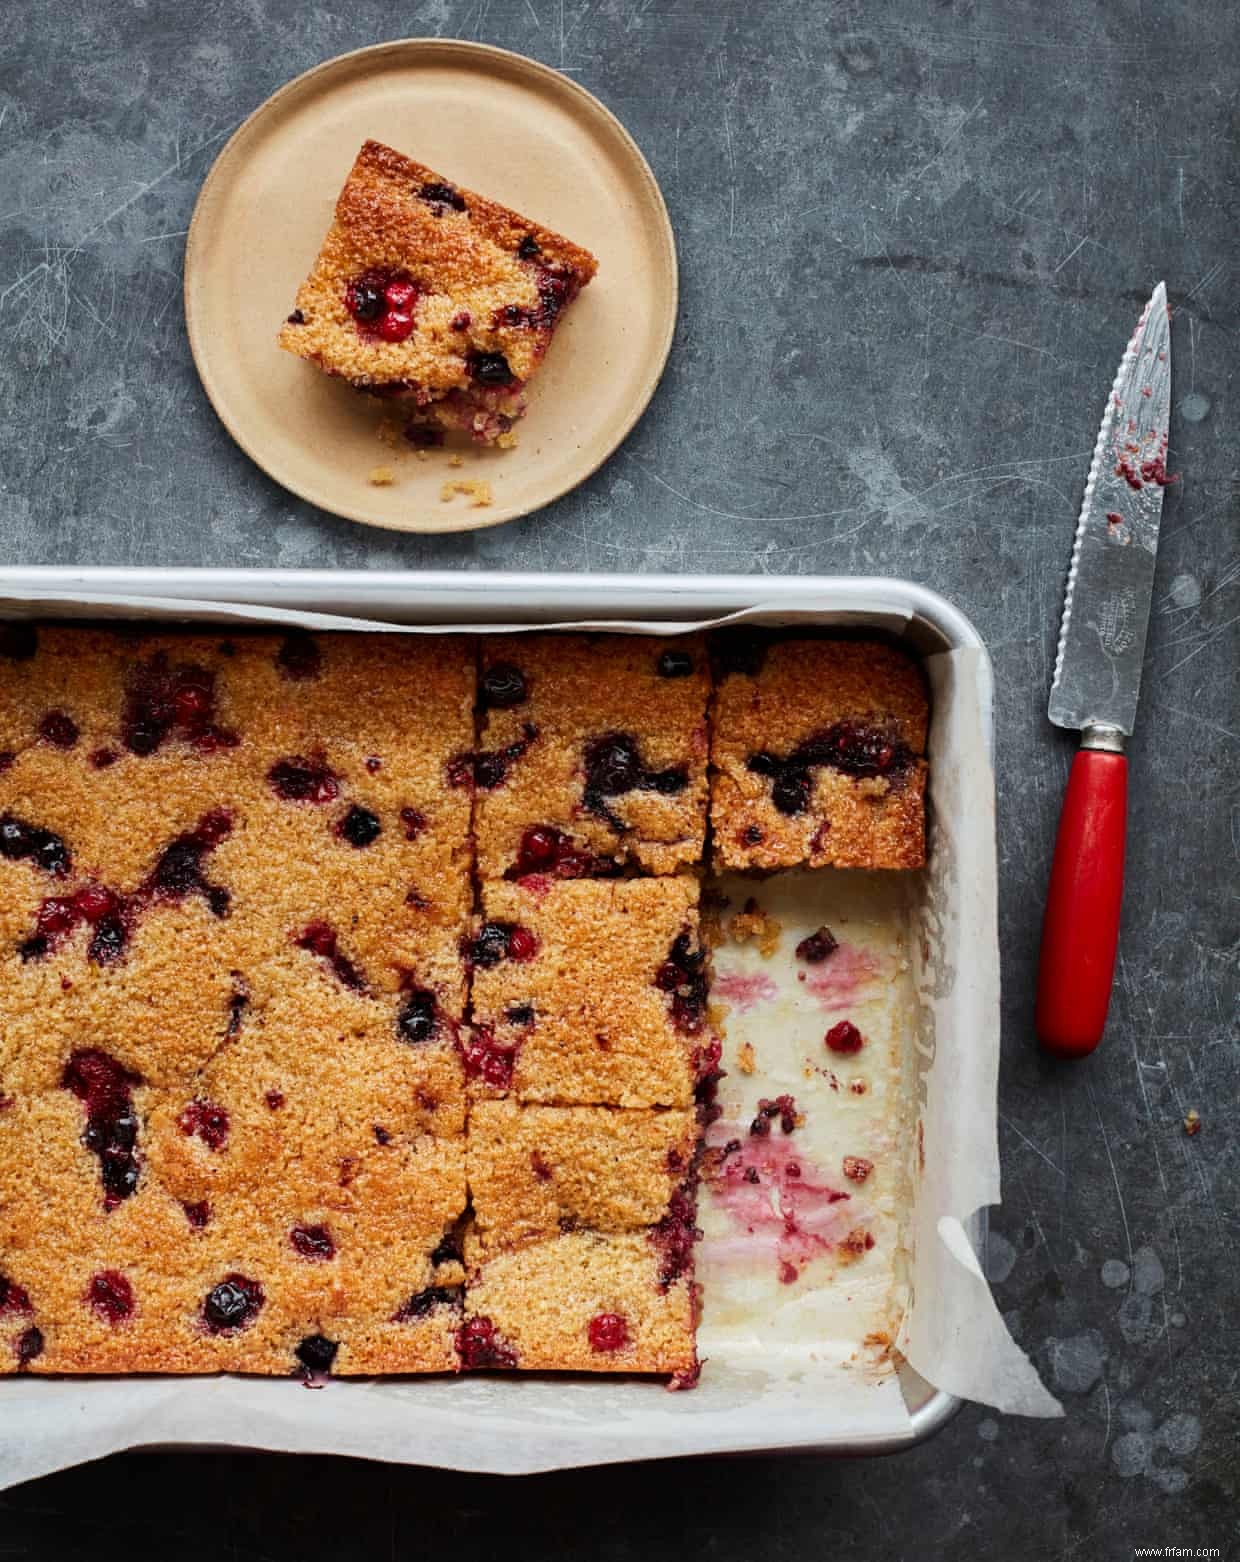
x,y
486,282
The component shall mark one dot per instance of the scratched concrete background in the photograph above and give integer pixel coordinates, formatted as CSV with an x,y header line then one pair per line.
x,y
914,237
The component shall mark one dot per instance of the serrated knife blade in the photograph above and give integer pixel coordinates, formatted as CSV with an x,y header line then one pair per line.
x,y
1106,606
1097,680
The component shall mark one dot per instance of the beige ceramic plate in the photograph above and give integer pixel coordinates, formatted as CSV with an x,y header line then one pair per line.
x,y
492,121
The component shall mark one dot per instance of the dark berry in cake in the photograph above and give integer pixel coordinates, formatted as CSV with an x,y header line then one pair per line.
x,y
206,1121
546,850
489,368
613,766
274,1100
20,842
382,1135
320,939
480,1344
296,318
442,195
163,702
674,1237
448,1251
683,975
675,663
818,946
105,1088
14,1298
844,1038
107,942
312,1242
101,758
316,1354
302,780
413,821
503,686
422,1303
741,651
110,1295
486,1059
496,941
232,1305
608,1331
198,1214
59,729
18,642
489,768
179,870
490,946
28,1346
854,749
528,248
299,656
521,1014
418,1016
360,827
364,298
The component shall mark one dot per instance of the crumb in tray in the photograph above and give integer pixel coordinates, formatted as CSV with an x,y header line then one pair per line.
x,y
753,922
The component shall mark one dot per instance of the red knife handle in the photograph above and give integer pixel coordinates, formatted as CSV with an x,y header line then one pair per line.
x,y
1080,930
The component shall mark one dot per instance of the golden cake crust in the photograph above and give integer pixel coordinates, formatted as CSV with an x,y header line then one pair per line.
x,y
602,1028
283,1086
534,1170
801,690
582,688
269,1088
476,293
542,1299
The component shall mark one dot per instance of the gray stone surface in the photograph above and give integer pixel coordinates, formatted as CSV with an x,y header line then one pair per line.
x,y
914,237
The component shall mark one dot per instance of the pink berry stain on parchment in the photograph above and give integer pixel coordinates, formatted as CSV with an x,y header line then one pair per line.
x,y
778,1202
743,990
844,978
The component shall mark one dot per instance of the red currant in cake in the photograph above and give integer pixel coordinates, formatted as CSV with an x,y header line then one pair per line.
x,y
608,1332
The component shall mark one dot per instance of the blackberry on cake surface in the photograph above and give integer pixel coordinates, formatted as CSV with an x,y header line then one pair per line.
x,y
615,773
433,296
818,751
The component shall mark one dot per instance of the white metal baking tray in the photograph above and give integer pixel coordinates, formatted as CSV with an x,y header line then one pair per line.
x,y
541,1423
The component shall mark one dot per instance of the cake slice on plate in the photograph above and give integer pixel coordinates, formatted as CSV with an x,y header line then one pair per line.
x,y
433,296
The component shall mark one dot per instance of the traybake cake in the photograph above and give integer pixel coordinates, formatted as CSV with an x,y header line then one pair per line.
x,y
354,989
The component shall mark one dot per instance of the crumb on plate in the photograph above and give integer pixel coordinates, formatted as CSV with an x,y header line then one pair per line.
x,y
474,489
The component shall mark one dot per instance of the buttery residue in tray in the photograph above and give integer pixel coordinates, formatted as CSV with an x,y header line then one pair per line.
x,y
806,1180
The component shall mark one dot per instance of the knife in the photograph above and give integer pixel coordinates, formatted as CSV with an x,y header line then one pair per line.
x,y
1096,682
